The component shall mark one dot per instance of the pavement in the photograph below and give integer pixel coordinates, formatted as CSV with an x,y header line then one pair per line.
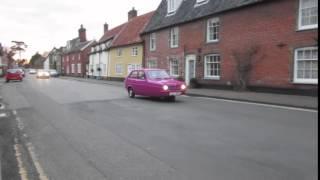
x,y
296,101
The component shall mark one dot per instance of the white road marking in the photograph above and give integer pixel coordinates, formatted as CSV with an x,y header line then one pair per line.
x,y
260,104
42,175
30,148
2,115
22,170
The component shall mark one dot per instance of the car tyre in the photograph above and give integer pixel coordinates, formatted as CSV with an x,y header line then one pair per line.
x,y
131,93
7,81
172,99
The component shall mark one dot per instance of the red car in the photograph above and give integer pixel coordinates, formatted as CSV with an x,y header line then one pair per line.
x,y
14,74
154,83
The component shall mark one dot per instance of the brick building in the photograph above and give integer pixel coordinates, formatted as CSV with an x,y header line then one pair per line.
x,y
202,39
75,55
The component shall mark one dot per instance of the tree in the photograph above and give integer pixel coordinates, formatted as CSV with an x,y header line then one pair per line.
x,y
245,59
34,58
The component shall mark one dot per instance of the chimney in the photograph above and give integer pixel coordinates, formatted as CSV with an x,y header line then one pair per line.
x,y
105,27
132,14
82,34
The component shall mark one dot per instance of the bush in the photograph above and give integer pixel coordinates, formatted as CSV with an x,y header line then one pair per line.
x,y
194,83
180,78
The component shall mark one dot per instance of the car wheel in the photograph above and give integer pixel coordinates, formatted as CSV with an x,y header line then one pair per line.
x,y
172,98
131,93
7,80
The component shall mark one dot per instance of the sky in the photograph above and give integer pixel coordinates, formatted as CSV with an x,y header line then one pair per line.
x,y
44,24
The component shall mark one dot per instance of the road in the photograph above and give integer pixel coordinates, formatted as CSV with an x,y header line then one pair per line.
x,y
88,131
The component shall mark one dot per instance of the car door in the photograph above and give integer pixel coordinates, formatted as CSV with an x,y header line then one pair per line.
x,y
131,80
141,84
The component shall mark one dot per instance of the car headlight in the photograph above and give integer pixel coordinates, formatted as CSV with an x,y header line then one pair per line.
x,y
183,87
165,87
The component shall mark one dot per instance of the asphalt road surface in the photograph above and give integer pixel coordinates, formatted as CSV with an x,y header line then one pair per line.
x,y
89,131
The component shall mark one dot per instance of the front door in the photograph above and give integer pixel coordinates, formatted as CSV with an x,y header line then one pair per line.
x,y
190,68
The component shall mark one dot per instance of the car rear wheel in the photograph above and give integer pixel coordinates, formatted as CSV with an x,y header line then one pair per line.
x,y
7,80
131,93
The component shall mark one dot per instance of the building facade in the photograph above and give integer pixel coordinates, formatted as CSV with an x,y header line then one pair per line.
x,y
205,40
120,50
75,55
126,52
54,60
99,54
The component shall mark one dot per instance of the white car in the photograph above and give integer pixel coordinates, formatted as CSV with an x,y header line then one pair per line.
x,y
42,74
32,71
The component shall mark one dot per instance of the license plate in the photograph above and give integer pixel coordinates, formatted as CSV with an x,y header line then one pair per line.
x,y
175,93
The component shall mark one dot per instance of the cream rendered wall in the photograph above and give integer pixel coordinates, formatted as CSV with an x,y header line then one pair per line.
x,y
125,60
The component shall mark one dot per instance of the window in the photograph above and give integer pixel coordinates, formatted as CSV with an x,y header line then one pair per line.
x,y
132,67
119,52
212,67
79,68
152,64
308,14
174,67
134,74
72,68
213,27
306,65
104,69
153,45
141,75
135,51
174,37
119,69
172,6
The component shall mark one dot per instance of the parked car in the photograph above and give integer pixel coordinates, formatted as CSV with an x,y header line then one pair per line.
x,y
53,73
154,83
43,74
32,71
14,74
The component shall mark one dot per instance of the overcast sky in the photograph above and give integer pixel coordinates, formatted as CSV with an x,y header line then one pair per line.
x,y
43,24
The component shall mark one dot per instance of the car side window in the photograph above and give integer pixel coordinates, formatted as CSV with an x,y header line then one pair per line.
x,y
141,75
134,75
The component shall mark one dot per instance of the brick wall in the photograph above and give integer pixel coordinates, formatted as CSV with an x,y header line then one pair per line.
x,y
272,26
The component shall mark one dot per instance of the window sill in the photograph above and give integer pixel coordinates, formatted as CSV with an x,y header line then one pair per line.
x,y
212,78
306,28
200,4
306,82
213,42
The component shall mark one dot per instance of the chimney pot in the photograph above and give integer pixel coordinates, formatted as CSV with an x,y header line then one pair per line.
x,y
132,14
105,28
82,34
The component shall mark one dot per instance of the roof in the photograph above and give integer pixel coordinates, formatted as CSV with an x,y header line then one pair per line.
x,y
76,45
188,12
111,33
130,33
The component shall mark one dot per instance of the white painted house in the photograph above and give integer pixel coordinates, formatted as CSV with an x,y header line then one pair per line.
x,y
46,64
99,57
99,60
